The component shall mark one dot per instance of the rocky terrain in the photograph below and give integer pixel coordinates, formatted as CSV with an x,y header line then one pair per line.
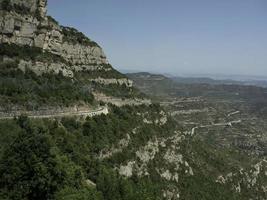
x,y
185,143
26,23
227,119
31,41
228,116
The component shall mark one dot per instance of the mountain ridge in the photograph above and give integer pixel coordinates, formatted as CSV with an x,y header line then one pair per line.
x,y
137,150
31,41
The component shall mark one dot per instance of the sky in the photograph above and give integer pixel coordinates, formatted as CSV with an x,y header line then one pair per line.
x,y
173,36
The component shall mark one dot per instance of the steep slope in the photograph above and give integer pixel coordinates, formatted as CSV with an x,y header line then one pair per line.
x,y
136,151
224,122
35,47
26,23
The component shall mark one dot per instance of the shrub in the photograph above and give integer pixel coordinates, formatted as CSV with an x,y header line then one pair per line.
x,y
73,36
18,8
29,53
6,5
30,90
78,194
51,19
28,168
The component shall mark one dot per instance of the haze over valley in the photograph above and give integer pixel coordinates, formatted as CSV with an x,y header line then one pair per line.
x,y
81,117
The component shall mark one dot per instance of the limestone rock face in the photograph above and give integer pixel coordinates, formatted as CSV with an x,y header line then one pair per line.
x,y
40,68
122,81
31,5
25,23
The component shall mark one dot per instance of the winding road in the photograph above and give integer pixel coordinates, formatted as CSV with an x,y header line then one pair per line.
x,y
233,113
218,124
89,113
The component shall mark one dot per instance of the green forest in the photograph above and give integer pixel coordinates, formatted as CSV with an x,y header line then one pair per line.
x,y
54,159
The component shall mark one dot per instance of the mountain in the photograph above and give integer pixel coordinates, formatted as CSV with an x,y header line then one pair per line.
x,y
35,44
72,127
229,80
226,117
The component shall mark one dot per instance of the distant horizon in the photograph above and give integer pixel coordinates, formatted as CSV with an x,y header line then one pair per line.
x,y
181,37
203,75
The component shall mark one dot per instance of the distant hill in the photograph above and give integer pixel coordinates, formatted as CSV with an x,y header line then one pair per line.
x,y
207,80
260,81
127,148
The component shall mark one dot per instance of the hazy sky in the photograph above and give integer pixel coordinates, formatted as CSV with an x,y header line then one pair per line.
x,y
174,36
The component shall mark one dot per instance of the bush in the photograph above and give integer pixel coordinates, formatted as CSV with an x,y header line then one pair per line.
x,y
73,36
28,168
18,8
32,167
78,194
28,89
21,9
51,19
6,5
29,53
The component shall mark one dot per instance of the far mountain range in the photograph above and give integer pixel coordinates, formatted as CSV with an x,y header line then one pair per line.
x,y
260,81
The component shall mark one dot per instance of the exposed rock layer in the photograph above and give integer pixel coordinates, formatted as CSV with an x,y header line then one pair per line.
x,y
26,23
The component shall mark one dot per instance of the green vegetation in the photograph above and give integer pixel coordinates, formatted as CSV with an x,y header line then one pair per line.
x,y
60,159
78,194
18,8
51,19
100,73
32,91
47,159
29,53
32,167
19,88
121,91
21,9
73,36
215,150
6,5
50,159
210,161
116,90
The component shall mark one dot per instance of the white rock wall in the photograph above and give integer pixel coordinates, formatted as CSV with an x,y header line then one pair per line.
x,y
28,30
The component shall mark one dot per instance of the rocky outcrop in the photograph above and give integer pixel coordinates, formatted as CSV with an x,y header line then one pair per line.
x,y
120,101
123,143
121,81
26,6
25,23
167,149
54,112
40,68
160,120
254,177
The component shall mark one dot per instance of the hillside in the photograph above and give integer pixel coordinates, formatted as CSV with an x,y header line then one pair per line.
x,y
161,88
74,128
47,65
224,117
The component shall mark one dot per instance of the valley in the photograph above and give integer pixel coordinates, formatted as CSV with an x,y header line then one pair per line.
x,y
229,117
74,128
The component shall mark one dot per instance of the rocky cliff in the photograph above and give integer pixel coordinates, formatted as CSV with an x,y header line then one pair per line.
x,y
33,41
134,152
26,23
